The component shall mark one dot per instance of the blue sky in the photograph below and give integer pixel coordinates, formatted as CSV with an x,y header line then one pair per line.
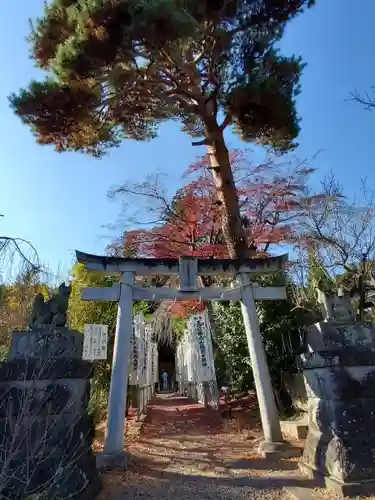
x,y
59,202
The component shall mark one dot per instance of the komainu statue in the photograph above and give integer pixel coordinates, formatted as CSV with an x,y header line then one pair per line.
x,y
52,313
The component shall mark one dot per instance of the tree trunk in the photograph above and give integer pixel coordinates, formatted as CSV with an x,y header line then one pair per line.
x,y
233,231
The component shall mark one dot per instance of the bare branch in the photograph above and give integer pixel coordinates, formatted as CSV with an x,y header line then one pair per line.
x,y
17,257
203,142
227,121
270,197
365,100
340,231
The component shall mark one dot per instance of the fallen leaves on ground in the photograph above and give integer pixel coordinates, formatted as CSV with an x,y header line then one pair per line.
x,y
181,442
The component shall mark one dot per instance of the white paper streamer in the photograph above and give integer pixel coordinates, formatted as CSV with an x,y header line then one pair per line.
x,y
137,344
194,355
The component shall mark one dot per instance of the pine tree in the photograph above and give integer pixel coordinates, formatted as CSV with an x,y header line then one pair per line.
x,y
118,68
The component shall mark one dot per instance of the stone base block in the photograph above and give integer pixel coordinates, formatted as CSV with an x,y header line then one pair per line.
x,y
278,450
295,429
34,398
45,369
347,460
342,489
67,435
107,461
51,476
46,343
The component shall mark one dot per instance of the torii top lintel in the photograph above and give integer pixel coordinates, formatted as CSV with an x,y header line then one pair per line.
x,y
171,267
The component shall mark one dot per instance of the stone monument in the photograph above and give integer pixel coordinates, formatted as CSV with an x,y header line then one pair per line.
x,y
339,373
45,430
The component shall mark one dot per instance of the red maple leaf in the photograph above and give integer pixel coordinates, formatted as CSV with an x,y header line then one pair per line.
x,y
273,198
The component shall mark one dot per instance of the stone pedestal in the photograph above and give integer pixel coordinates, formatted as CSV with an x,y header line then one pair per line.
x,y
46,433
46,343
339,372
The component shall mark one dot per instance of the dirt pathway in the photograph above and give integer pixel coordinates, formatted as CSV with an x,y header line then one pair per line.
x,y
184,453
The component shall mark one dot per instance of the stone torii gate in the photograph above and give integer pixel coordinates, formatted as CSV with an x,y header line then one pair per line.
x,y
187,268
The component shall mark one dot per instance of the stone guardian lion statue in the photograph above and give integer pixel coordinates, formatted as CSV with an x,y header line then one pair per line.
x,y
52,312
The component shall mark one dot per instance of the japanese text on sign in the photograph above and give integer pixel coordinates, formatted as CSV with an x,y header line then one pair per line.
x,y
95,342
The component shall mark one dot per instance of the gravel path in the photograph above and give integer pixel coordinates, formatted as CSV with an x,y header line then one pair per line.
x,y
183,453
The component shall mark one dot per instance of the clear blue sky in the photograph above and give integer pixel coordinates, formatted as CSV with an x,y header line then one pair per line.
x,y
59,201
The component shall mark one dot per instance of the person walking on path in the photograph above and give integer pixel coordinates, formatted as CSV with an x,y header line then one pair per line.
x,y
164,377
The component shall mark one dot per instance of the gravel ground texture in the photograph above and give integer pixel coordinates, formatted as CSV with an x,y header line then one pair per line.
x,y
186,452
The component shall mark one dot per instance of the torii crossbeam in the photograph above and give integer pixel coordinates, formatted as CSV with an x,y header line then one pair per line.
x,y
188,269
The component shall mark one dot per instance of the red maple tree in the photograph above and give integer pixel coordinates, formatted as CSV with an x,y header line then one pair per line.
x,y
273,197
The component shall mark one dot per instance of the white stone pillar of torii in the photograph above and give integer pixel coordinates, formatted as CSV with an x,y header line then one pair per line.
x,y
187,268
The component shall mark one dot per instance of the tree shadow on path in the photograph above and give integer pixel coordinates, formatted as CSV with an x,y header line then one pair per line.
x,y
184,447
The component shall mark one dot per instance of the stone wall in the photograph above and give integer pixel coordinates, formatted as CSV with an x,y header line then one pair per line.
x,y
341,439
339,371
46,432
